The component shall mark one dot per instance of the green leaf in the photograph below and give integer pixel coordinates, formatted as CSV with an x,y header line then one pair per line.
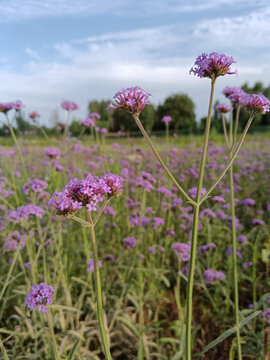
x,y
3,350
129,324
228,332
265,255
73,350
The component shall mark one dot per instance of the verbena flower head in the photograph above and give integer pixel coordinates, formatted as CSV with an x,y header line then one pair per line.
x,y
24,212
193,192
132,99
255,103
17,105
91,265
52,153
130,242
166,119
5,107
36,185
69,106
34,115
213,65
15,239
211,275
88,122
115,184
87,192
234,94
182,250
39,297
223,108
94,116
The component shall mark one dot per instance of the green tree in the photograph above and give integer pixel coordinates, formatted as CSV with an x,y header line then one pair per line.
x,y
100,107
147,117
22,124
181,108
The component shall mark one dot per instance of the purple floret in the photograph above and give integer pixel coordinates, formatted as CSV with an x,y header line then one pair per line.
x,y
131,99
211,275
182,250
130,242
39,296
36,185
255,103
212,65
223,108
91,265
69,106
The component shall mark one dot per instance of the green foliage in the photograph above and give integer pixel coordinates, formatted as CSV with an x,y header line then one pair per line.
x,y
22,124
181,108
147,117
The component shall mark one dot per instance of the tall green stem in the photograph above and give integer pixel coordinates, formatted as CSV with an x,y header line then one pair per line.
x,y
238,107
167,135
55,348
136,118
98,291
225,129
229,163
195,229
19,153
235,269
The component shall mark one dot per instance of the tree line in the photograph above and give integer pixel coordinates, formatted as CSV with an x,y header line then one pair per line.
x,y
179,106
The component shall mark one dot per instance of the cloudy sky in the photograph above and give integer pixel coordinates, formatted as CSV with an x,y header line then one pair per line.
x,y
55,50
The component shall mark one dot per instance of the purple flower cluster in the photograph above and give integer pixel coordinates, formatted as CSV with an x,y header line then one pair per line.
x,y
69,106
193,192
88,122
206,247
234,94
16,105
39,296
157,221
130,242
15,239
53,153
211,275
34,116
182,250
255,103
131,99
91,265
212,65
23,212
87,192
223,108
166,119
266,315
36,185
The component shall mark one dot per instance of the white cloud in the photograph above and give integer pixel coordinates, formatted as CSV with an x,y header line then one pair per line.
x,y
157,59
29,9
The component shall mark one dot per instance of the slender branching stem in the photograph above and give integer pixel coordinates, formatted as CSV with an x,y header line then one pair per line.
x,y
106,202
238,107
55,347
98,290
195,230
225,130
231,160
235,269
190,200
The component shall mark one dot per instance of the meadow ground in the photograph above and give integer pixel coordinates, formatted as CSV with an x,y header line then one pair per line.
x,y
143,244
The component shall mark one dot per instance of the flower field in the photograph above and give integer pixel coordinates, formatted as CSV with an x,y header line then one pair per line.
x,y
130,248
